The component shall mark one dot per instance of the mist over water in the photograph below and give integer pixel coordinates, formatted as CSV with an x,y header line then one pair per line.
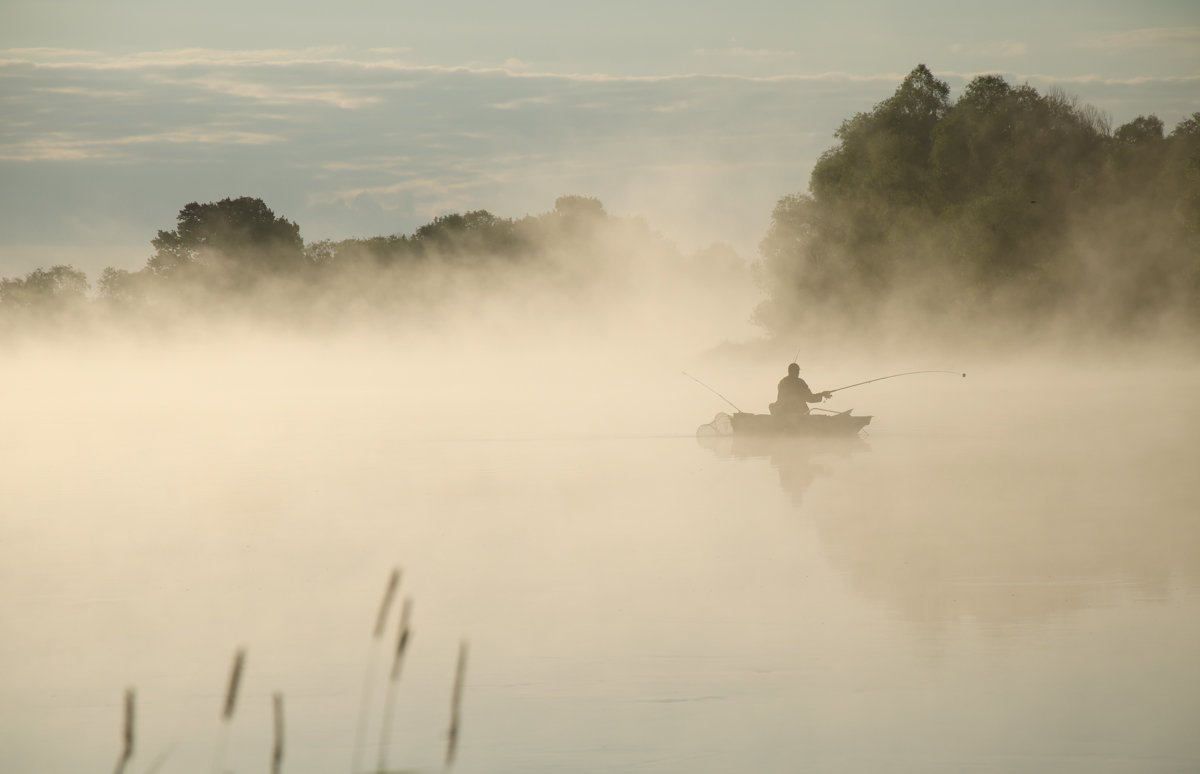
x,y
1002,576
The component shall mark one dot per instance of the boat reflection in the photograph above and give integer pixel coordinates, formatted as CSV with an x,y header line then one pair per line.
x,y
800,461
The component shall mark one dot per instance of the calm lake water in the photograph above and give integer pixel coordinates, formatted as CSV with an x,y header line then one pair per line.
x,y
1004,576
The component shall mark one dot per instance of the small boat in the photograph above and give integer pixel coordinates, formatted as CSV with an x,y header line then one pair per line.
x,y
795,426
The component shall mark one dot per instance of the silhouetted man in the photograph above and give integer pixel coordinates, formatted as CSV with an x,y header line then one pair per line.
x,y
794,395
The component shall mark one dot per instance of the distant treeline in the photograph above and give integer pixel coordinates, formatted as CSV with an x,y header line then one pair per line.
x,y
1005,204
238,255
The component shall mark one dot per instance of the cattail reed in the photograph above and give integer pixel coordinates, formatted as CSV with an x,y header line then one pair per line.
x,y
231,693
127,734
402,639
277,748
235,679
385,606
460,672
388,595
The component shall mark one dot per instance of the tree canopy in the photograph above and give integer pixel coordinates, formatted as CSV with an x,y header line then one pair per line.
x,y
239,239
1024,204
55,289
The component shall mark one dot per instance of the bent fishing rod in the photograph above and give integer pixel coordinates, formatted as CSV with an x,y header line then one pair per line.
x,y
892,376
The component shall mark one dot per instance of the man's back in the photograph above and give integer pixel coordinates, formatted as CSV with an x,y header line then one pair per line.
x,y
793,397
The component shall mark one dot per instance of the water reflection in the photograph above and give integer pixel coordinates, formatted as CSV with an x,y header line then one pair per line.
x,y
1009,540
800,461
1000,533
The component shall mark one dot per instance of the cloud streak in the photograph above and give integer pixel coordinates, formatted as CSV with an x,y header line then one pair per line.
x,y
1005,48
331,57
67,146
332,63
1185,40
756,54
271,94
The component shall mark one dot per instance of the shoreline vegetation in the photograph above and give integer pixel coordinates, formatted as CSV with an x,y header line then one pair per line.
x,y
1002,210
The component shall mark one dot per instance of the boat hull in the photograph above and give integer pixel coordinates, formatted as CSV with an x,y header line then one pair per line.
x,y
796,426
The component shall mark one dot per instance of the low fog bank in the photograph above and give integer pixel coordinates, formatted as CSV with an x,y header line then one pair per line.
x,y
500,381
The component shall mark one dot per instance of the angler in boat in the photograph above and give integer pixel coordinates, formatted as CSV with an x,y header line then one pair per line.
x,y
790,414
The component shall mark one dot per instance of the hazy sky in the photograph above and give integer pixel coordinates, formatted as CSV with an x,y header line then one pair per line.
x,y
367,118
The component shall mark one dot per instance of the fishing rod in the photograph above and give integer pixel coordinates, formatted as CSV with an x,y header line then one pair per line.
x,y
714,392
892,376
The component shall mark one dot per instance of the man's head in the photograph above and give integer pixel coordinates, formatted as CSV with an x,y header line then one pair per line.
x,y
793,369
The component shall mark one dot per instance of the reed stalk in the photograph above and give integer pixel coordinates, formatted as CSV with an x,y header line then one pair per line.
x,y
277,748
364,704
127,733
231,694
385,730
235,680
460,673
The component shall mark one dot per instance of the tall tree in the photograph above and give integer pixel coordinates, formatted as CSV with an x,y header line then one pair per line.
x,y
234,241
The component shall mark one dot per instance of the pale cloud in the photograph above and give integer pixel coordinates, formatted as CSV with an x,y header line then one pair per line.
x,y
364,165
433,192
522,102
47,52
80,91
168,59
673,107
1099,80
1185,40
269,94
760,54
1003,48
69,146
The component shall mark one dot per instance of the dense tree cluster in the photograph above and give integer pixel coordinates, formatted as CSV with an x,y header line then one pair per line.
x,y
1005,202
